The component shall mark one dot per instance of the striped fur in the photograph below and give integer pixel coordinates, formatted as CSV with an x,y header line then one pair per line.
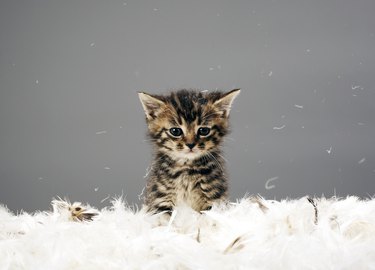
x,y
187,168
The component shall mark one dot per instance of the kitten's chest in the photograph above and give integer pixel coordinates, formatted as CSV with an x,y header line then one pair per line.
x,y
186,191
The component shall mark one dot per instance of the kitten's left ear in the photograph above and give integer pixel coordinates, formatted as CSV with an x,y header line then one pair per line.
x,y
225,102
151,105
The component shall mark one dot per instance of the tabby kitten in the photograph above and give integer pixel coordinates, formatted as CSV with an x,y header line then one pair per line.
x,y
187,129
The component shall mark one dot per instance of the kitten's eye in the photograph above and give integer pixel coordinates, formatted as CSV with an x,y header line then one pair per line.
x,y
177,132
203,131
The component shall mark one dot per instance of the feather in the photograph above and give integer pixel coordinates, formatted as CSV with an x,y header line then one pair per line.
x,y
237,236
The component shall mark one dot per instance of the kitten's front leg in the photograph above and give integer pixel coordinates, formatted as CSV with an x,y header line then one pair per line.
x,y
157,202
212,191
162,210
155,209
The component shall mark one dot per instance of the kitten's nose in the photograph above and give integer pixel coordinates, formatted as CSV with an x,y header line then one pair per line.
x,y
190,145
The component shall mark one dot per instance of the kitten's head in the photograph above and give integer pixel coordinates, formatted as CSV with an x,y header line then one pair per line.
x,y
187,124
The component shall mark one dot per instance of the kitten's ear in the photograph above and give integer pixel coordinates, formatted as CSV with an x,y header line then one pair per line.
x,y
151,105
225,102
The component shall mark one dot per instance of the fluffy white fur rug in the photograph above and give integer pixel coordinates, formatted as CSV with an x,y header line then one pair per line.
x,y
251,234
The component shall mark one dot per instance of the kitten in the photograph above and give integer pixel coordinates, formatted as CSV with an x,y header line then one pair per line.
x,y
187,129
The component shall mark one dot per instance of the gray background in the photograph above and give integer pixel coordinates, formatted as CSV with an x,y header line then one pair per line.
x,y
71,123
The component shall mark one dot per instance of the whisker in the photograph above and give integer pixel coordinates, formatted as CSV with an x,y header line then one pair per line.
x,y
216,161
222,157
150,140
229,138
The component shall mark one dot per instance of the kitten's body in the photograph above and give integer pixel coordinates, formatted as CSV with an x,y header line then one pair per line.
x,y
187,129
197,183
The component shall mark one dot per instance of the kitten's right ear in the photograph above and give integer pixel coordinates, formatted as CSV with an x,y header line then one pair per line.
x,y
151,105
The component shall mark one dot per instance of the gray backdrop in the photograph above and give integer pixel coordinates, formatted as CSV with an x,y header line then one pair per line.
x,y
71,123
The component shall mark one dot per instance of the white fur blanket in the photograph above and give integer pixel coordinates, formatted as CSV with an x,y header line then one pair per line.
x,y
251,234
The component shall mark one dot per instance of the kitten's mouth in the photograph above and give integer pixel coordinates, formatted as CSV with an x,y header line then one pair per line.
x,y
192,152
188,154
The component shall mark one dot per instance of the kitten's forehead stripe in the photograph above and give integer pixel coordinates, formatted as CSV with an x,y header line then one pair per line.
x,y
190,104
